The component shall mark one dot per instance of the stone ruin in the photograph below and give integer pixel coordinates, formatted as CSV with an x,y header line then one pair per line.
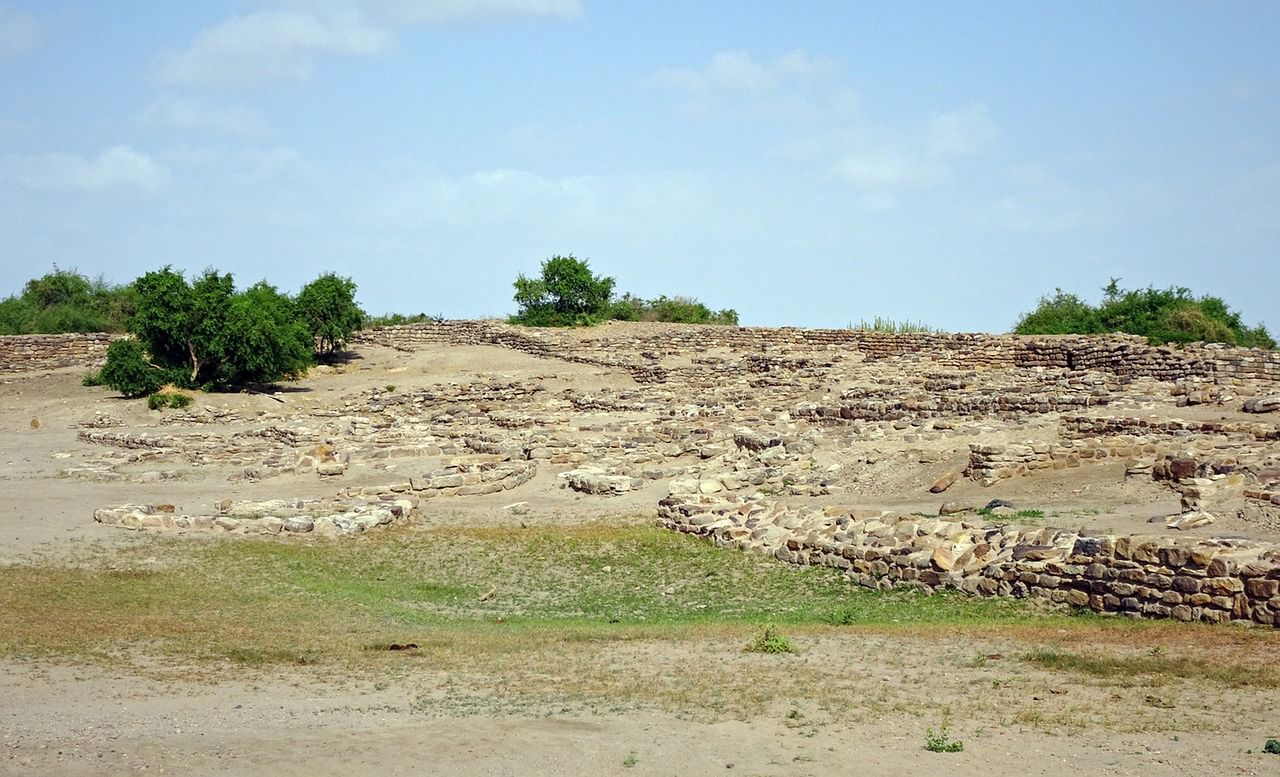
x,y
783,441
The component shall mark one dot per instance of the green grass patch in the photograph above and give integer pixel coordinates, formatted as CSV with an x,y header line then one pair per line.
x,y
1155,665
257,601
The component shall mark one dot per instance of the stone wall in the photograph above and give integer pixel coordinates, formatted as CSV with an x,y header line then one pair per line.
x,y
1214,580
19,353
1124,355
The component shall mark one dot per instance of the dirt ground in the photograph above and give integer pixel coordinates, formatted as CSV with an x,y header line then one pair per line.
x,y
66,717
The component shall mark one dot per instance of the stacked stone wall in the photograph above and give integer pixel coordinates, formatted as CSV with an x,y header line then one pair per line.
x,y
1123,355
1214,580
20,353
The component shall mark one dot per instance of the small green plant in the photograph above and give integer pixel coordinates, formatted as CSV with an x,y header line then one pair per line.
x,y
889,326
630,760
940,741
390,388
771,642
161,400
1025,515
1272,746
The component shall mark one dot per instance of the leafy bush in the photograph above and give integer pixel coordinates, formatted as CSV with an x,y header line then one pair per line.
x,y
263,341
207,334
327,306
1170,315
161,400
771,642
678,310
66,301
941,742
399,319
566,294
128,371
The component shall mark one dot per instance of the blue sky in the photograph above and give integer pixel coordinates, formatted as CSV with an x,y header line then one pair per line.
x,y
807,163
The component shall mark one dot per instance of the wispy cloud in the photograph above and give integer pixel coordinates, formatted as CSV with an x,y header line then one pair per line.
x,y
889,168
433,11
284,40
189,114
119,167
268,46
968,130
737,73
19,33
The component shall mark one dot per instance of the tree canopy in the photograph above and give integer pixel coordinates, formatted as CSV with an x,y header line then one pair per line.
x,y
566,294
204,333
66,301
327,306
1172,315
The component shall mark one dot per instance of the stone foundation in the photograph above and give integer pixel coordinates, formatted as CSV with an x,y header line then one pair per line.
x,y
1213,580
19,353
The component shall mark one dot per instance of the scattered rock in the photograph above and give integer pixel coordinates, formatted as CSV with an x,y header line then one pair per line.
x,y
944,482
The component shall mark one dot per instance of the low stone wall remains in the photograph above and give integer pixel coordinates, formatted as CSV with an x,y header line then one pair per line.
x,y
1214,580
1123,355
20,353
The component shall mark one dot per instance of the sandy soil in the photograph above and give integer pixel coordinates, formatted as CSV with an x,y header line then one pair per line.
x,y
95,718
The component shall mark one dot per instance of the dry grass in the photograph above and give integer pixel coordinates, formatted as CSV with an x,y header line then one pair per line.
x,y
605,618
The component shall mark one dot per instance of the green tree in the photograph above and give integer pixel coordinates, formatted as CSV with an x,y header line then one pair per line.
x,y
1060,314
327,306
1172,315
66,301
184,324
566,294
681,310
263,340
205,333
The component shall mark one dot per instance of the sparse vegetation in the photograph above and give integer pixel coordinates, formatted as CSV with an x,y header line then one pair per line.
x,y
162,399
940,741
399,319
890,326
771,642
1154,665
674,310
1172,315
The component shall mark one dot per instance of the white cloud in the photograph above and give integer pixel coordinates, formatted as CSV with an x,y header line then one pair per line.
x,y
434,11
737,73
19,33
888,168
968,130
119,167
270,46
282,41
200,115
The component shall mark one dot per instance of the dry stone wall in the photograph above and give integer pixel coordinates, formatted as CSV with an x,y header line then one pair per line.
x,y
19,353
1123,355
1214,580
